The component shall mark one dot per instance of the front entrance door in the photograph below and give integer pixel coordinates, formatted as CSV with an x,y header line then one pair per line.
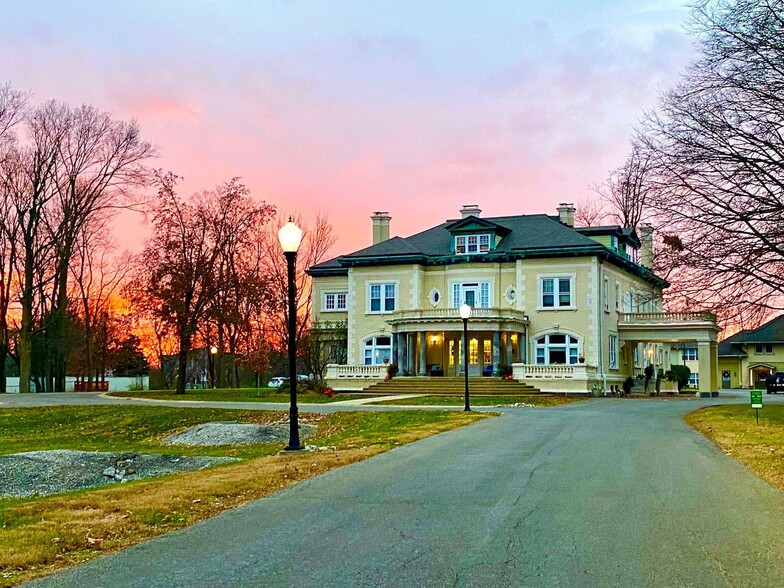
x,y
480,354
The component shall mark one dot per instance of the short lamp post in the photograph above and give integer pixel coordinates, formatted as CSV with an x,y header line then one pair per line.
x,y
465,314
213,352
290,236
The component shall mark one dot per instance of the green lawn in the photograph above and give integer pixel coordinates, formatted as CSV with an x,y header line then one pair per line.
x,y
41,535
236,395
441,400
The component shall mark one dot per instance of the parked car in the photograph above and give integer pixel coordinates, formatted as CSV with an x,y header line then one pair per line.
x,y
775,383
302,378
276,381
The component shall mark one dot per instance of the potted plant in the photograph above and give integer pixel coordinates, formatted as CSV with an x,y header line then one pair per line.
x,y
391,371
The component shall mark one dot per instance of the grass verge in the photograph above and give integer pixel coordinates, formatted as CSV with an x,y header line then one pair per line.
x,y
440,400
734,429
236,395
42,535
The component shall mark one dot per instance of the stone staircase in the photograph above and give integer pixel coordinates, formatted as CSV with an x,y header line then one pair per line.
x,y
476,386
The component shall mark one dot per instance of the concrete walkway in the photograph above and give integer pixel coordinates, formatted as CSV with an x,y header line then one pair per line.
x,y
611,492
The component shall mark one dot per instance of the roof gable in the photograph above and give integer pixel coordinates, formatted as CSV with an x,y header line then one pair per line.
x,y
474,224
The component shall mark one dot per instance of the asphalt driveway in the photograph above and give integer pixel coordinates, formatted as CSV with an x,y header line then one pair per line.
x,y
605,493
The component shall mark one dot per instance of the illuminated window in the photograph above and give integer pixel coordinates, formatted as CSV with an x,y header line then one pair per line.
x,y
487,352
473,351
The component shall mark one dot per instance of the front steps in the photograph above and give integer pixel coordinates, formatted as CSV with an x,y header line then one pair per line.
x,y
433,386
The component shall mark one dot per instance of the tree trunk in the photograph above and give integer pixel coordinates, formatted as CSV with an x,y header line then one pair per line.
x,y
26,329
3,355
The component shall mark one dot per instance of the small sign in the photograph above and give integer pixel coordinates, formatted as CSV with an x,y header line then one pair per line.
x,y
756,398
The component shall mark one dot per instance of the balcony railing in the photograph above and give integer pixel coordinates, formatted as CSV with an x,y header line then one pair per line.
x,y
356,371
667,317
453,314
525,371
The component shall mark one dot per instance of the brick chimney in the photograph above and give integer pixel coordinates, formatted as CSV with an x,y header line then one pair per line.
x,y
566,213
380,226
646,245
470,210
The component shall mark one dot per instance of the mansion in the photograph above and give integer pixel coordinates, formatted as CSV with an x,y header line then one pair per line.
x,y
564,308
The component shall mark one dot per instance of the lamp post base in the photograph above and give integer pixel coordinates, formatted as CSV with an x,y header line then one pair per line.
x,y
297,448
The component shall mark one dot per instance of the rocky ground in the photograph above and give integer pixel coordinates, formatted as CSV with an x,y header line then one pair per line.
x,y
40,473
232,433
62,470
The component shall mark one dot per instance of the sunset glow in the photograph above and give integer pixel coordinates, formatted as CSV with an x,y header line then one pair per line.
x,y
351,107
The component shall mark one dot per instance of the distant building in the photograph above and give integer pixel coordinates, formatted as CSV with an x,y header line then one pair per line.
x,y
749,356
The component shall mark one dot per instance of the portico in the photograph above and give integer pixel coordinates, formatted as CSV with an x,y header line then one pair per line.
x,y
429,342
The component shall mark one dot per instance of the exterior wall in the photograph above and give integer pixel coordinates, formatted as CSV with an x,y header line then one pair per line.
x,y
514,285
734,366
323,285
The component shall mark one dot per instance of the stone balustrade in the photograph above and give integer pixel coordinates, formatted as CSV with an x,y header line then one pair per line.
x,y
568,379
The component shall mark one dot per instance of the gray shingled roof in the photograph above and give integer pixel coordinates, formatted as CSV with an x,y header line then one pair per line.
x,y
533,235
536,231
770,332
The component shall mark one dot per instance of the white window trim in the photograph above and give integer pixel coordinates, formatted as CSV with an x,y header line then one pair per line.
x,y
478,236
374,347
336,309
535,345
564,275
382,283
618,295
606,294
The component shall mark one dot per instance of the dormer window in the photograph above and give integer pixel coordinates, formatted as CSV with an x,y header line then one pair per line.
x,y
471,244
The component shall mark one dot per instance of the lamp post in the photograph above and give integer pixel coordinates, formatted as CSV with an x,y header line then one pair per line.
x,y
290,236
213,351
465,314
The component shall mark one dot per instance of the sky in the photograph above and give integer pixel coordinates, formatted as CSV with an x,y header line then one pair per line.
x,y
354,106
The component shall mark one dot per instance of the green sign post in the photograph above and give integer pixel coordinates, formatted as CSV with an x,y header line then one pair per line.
x,y
756,401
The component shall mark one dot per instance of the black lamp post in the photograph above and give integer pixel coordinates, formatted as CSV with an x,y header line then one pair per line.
x,y
465,314
290,236
213,352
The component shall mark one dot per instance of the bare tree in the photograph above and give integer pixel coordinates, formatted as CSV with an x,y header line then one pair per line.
x,y
12,105
97,278
628,189
178,273
716,145
590,213
316,242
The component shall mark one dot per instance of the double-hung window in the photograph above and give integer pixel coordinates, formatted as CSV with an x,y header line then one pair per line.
x,y
763,348
617,296
556,292
334,301
613,352
606,295
468,244
382,297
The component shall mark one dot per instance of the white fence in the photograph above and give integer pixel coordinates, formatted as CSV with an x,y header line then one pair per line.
x,y
116,384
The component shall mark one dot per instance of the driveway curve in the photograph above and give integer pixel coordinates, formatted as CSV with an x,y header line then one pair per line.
x,y
603,493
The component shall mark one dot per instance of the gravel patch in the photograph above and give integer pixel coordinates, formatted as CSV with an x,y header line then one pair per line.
x,y
233,433
62,470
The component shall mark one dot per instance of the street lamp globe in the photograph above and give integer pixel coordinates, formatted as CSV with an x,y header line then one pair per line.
x,y
465,311
290,236
213,350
